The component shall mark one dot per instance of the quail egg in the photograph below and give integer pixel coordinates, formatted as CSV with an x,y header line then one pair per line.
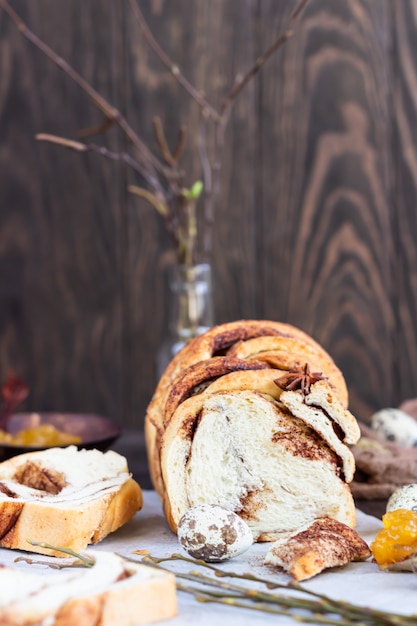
x,y
212,533
404,497
396,426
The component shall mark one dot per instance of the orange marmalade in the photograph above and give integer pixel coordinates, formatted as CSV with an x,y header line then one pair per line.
x,y
41,436
397,540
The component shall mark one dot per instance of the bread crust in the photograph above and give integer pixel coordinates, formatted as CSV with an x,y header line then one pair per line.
x,y
204,372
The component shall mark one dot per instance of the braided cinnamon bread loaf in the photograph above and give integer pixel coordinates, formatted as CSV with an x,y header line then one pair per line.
x,y
252,416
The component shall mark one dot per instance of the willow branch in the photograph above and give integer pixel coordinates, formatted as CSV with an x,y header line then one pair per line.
x,y
260,61
151,198
101,103
83,559
317,608
79,146
207,171
242,82
240,603
170,157
151,168
172,67
100,129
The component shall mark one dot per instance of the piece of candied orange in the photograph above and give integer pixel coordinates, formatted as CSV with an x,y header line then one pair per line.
x,y
398,539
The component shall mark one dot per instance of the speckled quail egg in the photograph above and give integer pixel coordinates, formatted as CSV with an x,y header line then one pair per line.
x,y
212,533
404,497
396,426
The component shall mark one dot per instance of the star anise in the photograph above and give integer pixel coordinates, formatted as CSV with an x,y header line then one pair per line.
x,y
299,378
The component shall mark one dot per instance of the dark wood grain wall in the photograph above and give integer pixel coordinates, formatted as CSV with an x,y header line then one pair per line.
x,y
316,223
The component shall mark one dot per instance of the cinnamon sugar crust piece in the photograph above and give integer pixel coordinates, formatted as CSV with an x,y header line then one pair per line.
x,y
321,545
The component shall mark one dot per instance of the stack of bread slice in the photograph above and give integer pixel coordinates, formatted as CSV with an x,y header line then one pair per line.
x,y
253,416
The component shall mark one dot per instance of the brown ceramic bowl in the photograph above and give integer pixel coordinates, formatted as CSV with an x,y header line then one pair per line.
x,y
95,431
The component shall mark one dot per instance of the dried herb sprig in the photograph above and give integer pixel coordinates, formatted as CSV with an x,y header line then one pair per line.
x,y
308,607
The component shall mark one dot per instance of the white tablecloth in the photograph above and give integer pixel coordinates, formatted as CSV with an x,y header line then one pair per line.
x,y
360,583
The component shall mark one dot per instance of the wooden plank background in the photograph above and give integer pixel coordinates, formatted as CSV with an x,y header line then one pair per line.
x,y
316,223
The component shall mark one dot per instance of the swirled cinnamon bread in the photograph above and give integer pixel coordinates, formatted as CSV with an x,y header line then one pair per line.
x,y
253,416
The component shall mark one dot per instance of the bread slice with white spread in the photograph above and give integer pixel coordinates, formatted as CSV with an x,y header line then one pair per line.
x,y
64,496
112,591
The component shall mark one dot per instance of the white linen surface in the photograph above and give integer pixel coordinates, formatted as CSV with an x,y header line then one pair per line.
x,y
360,583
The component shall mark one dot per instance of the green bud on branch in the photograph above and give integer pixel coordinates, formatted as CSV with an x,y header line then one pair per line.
x,y
194,192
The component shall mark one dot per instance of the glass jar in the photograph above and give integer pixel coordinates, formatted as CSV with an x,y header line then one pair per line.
x,y
189,308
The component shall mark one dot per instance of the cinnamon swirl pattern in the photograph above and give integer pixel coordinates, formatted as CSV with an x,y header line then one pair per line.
x,y
253,416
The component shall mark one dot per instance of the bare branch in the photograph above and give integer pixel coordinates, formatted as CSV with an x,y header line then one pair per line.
x,y
239,86
288,32
150,197
63,141
208,188
78,146
165,181
96,130
170,157
172,67
212,169
101,103
179,148
207,109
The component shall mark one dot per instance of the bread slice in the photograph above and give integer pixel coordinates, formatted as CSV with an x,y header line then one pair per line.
x,y
344,422
112,591
64,496
328,418
242,450
324,543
